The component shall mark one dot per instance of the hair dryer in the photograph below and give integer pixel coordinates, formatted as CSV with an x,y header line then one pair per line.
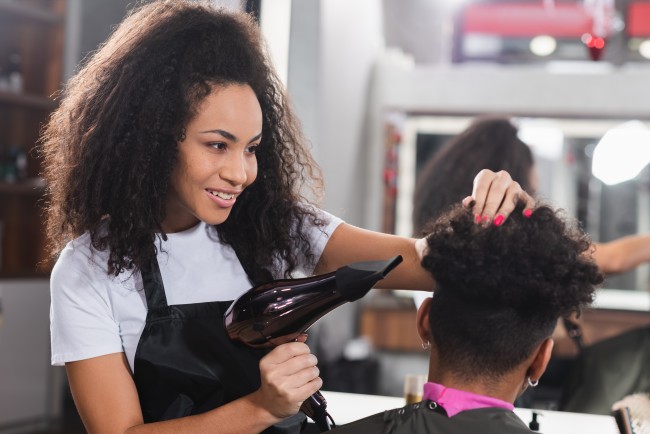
x,y
279,311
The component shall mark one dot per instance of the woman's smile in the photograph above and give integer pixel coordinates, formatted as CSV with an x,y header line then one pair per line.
x,y
223,198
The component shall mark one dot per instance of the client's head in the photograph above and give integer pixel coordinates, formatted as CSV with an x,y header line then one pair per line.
x,y
499,293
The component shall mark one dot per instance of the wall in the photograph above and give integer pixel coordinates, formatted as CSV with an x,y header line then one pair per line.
x,y
28,383
351,41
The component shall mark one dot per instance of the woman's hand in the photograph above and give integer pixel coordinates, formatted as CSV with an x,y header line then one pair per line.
x,y
494,196
289,376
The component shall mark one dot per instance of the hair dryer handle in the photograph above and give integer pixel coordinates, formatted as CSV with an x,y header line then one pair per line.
x,y
315,407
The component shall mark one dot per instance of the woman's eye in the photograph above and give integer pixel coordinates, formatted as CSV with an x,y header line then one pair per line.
x,y
252,149
218,145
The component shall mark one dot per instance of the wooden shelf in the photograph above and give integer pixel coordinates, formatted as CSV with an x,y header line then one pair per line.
x,y
388,322
29,12
27,100
25,275
32,186
35,30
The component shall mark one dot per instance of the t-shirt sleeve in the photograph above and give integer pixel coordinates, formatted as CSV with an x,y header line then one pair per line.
x,y
319,236
82,324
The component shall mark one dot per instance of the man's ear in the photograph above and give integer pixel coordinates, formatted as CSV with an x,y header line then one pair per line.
x,y
422,320
541,359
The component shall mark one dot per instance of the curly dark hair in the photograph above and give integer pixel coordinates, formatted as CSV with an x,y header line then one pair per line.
x,y
501,289
110,147
490,142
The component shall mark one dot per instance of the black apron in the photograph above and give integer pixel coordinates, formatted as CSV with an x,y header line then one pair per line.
x,y
186,364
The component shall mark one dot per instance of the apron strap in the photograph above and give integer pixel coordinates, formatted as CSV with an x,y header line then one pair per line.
x,y
155,290
153,285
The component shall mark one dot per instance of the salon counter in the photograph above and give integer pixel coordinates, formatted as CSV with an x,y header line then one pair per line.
x,y
348,407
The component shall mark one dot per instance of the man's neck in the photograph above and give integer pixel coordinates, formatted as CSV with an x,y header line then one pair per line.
x,y
505,388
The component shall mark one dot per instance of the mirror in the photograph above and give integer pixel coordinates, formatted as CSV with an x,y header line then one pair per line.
x,y
564,151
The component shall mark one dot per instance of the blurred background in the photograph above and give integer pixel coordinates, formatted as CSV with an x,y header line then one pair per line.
x,y
379,86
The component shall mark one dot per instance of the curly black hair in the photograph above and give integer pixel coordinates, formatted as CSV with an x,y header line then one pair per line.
x,y
110,147
490,142
501,289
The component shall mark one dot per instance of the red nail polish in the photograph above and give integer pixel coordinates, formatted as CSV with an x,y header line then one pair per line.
x,y
498,220
486,219
528,213
478,218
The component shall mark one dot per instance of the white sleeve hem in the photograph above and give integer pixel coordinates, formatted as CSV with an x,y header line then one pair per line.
x,y
63,358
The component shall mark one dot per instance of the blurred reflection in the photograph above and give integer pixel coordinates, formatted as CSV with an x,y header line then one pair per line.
x,y
565,150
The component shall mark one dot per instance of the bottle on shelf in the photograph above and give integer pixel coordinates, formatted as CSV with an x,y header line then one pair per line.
x,y
4,78
14,72
20,162
13,164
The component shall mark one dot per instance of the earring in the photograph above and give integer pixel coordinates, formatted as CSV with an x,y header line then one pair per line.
x,y
426,346
533,383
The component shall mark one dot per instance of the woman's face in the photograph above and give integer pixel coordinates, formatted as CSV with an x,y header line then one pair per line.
x,y
216,161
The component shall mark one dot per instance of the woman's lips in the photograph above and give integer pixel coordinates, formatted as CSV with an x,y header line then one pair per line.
x,y
222,198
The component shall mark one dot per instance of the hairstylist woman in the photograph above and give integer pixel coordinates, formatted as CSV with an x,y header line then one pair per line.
x,y
176,176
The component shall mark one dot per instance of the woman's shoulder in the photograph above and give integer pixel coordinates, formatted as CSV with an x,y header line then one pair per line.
x,y
81,265
79,254
324,221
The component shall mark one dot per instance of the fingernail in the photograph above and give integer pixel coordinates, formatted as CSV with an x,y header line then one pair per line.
x,y
498,220
486,219
528,213
478,218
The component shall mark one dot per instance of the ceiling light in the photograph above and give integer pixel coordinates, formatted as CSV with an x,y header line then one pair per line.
x,y
543,45
644,48
622,153
546,140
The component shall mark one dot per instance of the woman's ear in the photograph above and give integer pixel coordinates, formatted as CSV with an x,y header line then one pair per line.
x,y
422,320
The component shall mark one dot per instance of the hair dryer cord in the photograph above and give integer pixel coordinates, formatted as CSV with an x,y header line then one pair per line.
x,y
315,407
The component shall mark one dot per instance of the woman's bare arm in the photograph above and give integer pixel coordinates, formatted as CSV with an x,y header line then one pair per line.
x,y
622,254
352,244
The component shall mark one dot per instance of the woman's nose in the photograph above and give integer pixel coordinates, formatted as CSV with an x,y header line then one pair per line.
x,y
234,171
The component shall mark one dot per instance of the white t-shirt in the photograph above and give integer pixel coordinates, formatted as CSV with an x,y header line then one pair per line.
x,y
93,314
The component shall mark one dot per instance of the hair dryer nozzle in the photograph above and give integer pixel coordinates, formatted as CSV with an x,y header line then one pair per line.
x,y
355,280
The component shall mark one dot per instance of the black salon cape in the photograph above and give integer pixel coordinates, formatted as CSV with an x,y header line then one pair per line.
x,y
420,418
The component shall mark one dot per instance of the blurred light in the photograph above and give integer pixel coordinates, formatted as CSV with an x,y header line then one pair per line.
x,y
593,41
595,45
622,153
545,140
478,45
633,44
644,48
543,45
589,150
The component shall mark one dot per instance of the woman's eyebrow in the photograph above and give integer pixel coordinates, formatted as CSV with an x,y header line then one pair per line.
x,y
257,137
230,136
